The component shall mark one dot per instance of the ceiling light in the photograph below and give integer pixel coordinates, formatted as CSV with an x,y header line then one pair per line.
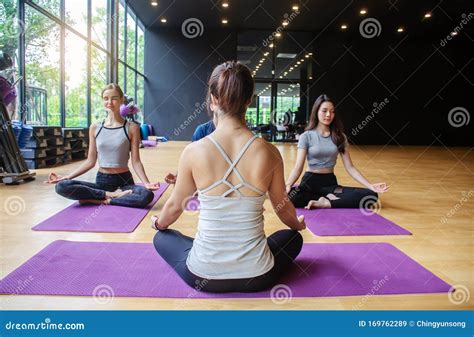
x,y
428,15
343,26
266,54
295,7
310,53
454,33
298,62
224,21
278,34
271,45
363,11
163,20
400,30
225,4
307,55
285,23
154,3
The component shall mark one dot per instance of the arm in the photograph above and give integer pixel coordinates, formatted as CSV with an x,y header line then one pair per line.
x,y
86,166
134,134
182,191
282,205
357,176
296,172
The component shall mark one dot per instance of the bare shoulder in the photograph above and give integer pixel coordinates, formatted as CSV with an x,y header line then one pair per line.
x,y
133,127
267,150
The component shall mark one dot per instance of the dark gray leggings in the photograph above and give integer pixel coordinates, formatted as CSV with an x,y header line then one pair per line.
x,y
83,190
316,185
174,248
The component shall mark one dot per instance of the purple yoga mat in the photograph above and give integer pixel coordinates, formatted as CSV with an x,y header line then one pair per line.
x,y
348,222
98,218
136,270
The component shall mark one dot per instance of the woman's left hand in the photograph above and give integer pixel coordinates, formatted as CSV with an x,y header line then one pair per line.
x,y
379,187
152,186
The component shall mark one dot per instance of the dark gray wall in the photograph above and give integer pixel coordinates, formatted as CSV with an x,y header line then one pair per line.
x,y
177,70
422,79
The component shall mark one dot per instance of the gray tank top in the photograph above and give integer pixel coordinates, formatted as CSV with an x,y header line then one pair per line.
x,y
113,145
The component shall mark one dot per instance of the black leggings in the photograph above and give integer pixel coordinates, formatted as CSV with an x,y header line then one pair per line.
x,y
174,248
83,190
316,185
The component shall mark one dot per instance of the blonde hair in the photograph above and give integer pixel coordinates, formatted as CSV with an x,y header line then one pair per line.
x,y
114,87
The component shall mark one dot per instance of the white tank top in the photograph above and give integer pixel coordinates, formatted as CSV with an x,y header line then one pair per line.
x,y
230,242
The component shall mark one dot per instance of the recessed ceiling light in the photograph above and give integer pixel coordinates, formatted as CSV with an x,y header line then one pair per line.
x,y
310,53
163,20
271,45
311,77
428,15
343,26
295,7
363,11
285,23
154,3
224,21
278,34
454,33
301,60
400,30
225,4
307,55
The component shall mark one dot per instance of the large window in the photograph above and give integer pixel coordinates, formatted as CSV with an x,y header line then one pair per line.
x,y
42,69
73,48
131,50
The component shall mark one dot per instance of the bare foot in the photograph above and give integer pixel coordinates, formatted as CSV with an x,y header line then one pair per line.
x,y
117,194
320,203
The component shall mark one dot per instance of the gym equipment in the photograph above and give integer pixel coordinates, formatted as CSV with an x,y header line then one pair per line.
x,y
13,167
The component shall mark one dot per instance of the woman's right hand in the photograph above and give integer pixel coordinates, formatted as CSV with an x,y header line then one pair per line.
x,y
302,223
53,178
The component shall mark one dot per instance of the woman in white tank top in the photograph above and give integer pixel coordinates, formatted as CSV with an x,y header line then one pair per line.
x,y
232,170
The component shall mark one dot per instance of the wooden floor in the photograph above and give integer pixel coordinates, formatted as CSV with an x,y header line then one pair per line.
x,y
427,184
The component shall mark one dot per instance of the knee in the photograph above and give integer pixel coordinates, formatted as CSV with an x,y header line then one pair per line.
x,y
62,187
146,197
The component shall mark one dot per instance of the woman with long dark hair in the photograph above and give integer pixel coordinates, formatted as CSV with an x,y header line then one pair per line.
x,y
320,144
233,170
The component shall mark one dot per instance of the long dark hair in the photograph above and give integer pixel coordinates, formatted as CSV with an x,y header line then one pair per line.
x,y
336,127
231,83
